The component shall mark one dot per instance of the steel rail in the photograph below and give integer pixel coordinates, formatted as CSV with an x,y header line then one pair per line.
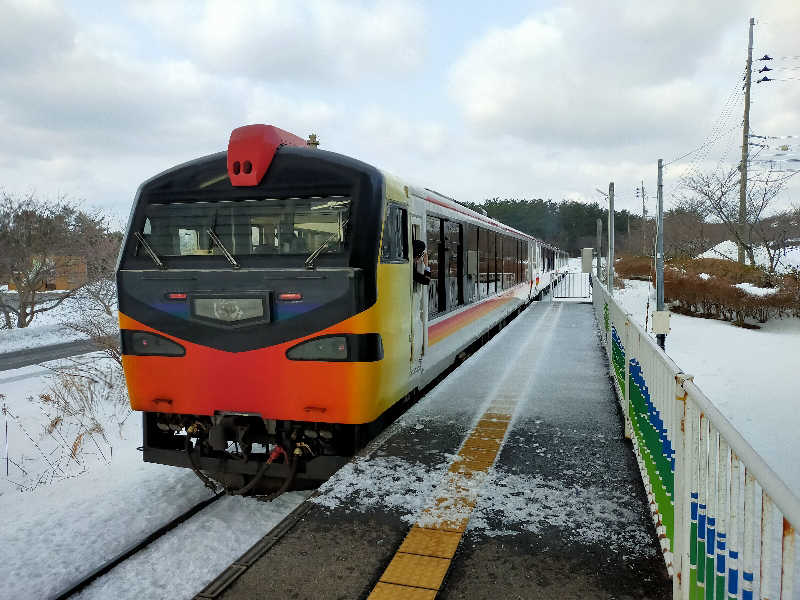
x,y
135,548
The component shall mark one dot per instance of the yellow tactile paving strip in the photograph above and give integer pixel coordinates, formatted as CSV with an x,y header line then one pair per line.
x,y
430,542
418,568
388,591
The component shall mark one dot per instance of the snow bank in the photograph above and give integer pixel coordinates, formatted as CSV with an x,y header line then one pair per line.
x,y
63,529
50,327
36,336
750,375
754,290
789,257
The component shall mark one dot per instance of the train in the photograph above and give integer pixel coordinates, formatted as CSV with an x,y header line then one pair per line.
x,y
268,311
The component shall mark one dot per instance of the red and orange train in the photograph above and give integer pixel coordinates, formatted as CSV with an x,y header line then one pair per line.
x,y
268,311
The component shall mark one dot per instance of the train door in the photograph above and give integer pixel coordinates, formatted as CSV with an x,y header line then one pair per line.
x,y
419,309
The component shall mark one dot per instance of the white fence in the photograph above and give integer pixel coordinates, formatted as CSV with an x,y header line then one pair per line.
x,y
727,524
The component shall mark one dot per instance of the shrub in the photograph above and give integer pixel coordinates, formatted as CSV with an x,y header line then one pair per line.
x,y
715,295
634,267
727,270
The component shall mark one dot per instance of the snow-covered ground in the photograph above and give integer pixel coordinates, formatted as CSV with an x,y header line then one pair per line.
x,y
789,258
78,513
45,329
750,375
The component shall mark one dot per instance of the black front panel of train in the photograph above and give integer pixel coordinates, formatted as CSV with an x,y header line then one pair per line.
x,y
242,310
232,308
299,173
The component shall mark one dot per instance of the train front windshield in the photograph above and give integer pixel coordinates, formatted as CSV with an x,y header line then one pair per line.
x,y
247,227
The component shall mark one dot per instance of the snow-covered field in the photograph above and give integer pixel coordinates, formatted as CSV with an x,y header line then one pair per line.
x,y
788,258
78,513
750,375
45,329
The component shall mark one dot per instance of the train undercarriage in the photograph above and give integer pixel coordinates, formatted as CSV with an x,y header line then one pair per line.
x,y
245,454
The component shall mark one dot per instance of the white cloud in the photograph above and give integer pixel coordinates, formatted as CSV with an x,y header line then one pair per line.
x,y
311,41
587,74
551,106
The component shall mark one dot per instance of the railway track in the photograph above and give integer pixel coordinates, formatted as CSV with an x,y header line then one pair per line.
x,y
216,587
135,548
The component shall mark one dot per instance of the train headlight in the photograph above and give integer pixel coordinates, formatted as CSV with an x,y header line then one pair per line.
x,y
229,310
350,347
333,347
143,343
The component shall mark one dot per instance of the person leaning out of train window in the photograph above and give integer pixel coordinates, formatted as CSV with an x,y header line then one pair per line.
x,y
422,272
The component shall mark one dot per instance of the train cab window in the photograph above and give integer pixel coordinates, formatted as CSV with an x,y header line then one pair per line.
x,y
395,235
250,227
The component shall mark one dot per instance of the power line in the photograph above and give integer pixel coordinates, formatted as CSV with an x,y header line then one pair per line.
x,y
766,79
716,134
774,137
767,57
724,116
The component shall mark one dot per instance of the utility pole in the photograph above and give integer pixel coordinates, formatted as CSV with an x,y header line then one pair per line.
x,y
644,220
628,239
599,246
660,249
610,266
745,144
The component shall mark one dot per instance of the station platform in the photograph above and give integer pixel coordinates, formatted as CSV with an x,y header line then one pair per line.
x,y
510,479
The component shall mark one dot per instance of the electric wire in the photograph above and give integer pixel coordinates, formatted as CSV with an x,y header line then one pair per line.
x,y
721,120
716,135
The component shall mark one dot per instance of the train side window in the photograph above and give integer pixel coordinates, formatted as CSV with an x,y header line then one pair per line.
x,y
494,242
454,268
511,258
471,257
435,248
395,235
502,253
499,264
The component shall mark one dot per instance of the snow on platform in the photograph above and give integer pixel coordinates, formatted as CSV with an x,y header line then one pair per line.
x,y
560,512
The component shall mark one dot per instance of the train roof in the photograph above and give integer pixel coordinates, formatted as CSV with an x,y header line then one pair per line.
x,y
251,139
437,198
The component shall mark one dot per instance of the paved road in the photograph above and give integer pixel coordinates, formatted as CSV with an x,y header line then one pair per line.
x,y
34,356
561,514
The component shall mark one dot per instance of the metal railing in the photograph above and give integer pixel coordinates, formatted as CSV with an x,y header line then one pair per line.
x,y
726,523
572,285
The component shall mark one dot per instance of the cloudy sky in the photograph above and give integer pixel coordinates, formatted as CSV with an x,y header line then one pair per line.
x,y
474,99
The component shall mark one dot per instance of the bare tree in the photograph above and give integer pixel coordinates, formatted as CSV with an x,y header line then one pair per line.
x,y
718,191
98,318
685,227
33,235
777,234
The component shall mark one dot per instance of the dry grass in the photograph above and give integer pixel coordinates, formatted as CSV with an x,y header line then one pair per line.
x,y
634,267
725,270
716,296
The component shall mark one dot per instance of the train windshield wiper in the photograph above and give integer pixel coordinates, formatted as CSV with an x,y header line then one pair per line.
x,y
149,249
222,247
313,256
